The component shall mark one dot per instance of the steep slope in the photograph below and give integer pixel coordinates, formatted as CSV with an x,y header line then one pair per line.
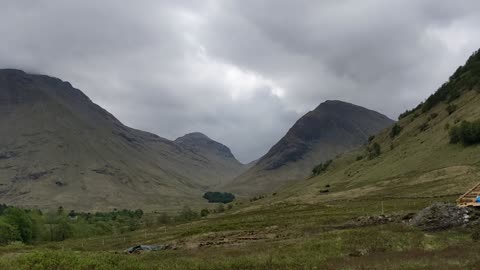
x,y
331,129
417,160
59,148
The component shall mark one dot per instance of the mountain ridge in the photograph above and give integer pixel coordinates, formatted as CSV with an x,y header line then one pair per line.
x,y
60,148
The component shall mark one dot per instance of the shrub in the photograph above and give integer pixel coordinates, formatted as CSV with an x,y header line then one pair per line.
x,y
396,129
467,133
374,151
451,108
321,168
186,214
219,197
204,212
358,158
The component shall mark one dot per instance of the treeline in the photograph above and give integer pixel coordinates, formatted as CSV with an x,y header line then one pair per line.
x,y
29,226
466,77
36,226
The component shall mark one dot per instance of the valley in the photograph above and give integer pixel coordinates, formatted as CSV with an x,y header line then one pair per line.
x,y
239,135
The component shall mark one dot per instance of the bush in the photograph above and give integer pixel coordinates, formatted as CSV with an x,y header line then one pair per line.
x,y
219,197
451,108
204,212
321,168
396,129
467,133
374,151
187,214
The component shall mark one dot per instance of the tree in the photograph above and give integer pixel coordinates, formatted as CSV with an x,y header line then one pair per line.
x,y
8,233
22,222
63,229
219,197
374,151
396,129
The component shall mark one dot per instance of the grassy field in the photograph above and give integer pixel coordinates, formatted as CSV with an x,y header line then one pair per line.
x,y
268,236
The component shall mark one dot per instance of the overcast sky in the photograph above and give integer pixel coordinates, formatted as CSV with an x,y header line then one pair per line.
x,y
243,71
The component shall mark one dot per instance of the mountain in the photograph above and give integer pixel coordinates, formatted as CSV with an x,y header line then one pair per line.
x,y
331,129
222,165
59,148
420,158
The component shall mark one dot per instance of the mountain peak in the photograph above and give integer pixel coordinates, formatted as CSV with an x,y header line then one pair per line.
x,y
11,71
201,143
194,136
332,104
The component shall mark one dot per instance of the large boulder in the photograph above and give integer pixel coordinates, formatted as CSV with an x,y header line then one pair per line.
x,y
440,216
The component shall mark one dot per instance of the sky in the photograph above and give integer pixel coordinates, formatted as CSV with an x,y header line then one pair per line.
x,y
240,71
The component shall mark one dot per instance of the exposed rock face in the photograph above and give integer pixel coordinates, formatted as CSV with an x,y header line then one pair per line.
x,y
57,147
332,128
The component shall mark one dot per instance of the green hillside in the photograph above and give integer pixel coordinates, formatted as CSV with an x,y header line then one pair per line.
x,y
416,156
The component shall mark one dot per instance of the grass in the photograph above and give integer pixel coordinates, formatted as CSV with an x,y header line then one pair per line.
x,y
276,236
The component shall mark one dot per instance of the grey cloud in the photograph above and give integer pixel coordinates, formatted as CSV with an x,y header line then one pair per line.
x,y
240,71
